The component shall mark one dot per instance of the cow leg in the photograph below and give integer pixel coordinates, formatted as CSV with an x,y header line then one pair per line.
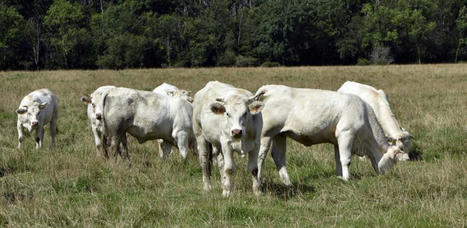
x,y
338,161
204,160
124,150
53,130
263,151
345,141
220,164
278,154
229,167
97,139
253,169
39,137
114,144
105,146
182,142
20,136
164,149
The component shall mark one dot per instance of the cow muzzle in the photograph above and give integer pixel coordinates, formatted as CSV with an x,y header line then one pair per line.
x,y
237,133
34,123
98,116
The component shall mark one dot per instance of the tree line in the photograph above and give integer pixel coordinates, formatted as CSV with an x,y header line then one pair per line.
x,y
116,34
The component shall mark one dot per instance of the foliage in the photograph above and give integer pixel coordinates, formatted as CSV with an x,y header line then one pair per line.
x,y
163,33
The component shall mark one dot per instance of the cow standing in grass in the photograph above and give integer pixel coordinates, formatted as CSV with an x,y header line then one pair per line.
x,y
169,90
227,120
312,116
37,109
379,102
94,111
146,116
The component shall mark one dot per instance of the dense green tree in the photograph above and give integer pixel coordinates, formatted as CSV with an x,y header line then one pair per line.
x,y
11,25
461,25
68,34
194,33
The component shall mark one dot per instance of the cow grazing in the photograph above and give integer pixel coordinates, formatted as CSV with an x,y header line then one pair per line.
x,y
166,89
227,120
146,116
94,111
37,109
379,102
312,116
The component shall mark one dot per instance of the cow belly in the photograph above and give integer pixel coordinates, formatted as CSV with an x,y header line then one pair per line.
x,y
145,134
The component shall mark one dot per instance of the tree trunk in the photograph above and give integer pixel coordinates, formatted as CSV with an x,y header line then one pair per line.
x,y
418,54
457,51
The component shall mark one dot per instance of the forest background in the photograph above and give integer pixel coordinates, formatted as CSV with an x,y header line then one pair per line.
x,y
117,34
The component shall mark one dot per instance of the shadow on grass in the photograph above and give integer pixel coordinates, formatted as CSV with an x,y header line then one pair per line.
x,y
287,192
415,153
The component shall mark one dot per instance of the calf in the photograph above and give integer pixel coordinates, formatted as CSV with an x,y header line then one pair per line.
x,y
312,116
379,102
224,117
94,111
37,109
146,116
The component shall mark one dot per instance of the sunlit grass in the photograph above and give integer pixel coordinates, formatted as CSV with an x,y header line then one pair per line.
x,y
72,185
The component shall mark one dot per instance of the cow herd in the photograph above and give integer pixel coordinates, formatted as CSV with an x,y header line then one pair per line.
x,y
221,119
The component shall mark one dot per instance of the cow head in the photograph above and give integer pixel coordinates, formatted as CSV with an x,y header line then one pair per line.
x,y
184,94
236,111
389,159
28,115
403,144
93,105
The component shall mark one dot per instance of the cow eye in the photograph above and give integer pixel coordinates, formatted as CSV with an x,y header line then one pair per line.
x,y
228,114
93,105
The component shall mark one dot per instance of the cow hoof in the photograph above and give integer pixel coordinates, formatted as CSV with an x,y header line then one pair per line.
x,y
258,192
225,193
207,187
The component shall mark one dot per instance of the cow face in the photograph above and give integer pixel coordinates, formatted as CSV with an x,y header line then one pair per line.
x,y
403,144
236,112
184,94
28,115
93,106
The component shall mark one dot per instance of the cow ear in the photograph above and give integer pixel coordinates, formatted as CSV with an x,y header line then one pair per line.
x,y
255,107
217,108
21,110
86,99
42,105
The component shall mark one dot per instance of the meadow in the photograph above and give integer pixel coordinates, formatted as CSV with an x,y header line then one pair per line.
x,y
73,185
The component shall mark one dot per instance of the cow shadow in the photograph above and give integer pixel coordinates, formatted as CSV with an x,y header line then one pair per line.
x,y
284,192
415,153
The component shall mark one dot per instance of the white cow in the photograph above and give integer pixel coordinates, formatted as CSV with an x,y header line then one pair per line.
x,y
312,116
94,111
166,89
37,109
379,102
171,90
225,119
146,116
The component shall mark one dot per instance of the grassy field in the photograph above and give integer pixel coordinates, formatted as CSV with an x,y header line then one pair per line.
x,y
72,185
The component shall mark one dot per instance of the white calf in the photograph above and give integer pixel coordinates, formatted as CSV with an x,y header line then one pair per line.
x,y
37,109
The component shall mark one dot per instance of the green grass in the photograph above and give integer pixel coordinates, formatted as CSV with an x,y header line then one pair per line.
x,y
72,185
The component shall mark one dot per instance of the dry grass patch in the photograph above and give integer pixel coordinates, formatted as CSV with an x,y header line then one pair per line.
x,y
71,185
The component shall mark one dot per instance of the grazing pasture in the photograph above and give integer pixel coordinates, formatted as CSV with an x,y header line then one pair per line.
x,y
72,185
